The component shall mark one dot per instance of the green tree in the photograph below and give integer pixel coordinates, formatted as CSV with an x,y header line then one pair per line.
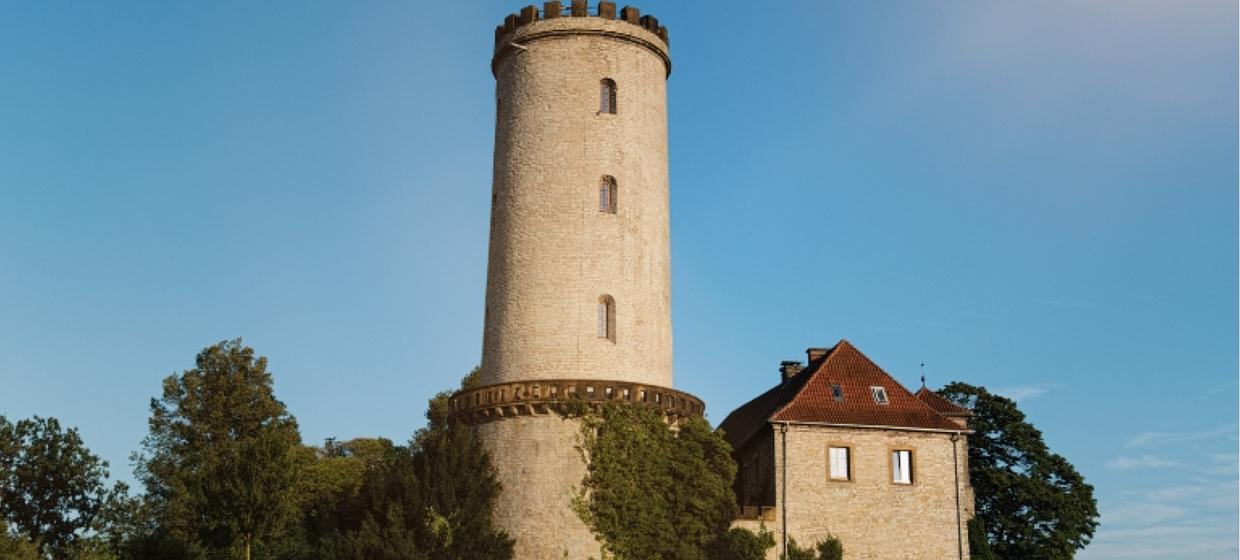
x,y
51,485
221,456
652,492
742,544
1034,504
428,500
457,486
979,547
15,547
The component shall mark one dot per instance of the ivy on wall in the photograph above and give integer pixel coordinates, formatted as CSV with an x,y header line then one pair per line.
x,y
655,491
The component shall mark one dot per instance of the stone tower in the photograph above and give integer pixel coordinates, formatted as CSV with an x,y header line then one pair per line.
x,y
578,302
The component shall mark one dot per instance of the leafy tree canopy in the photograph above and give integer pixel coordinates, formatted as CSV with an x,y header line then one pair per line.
x,y
16,548
220,459
51,485
428,500
1034,504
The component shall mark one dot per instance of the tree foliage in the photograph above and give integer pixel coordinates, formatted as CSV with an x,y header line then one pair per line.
x,y
458,487
829,548
1034,504
428,500
51,486
226,477
220,459
742,544
652,492
15,547
979,547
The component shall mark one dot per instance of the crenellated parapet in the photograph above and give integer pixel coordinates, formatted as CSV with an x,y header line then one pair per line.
x,y
556,19
503,400
579,8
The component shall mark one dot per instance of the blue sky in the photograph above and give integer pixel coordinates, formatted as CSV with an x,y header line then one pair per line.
x,y
1038,197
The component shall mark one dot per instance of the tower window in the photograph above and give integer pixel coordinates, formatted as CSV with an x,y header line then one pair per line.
x,y
607,318
607,195
607,96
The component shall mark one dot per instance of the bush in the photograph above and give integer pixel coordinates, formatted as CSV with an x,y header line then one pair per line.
x,y
829,548
742,544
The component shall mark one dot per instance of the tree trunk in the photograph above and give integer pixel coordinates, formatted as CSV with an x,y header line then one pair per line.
x,y
247,546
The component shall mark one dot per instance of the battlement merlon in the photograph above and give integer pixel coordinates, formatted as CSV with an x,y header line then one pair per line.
x,y
557,20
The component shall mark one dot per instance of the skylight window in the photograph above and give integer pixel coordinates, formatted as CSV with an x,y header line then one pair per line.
x,y
880,394
837,392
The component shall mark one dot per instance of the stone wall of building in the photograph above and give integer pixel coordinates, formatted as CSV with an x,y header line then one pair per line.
x,y
539,464
873,517
553,254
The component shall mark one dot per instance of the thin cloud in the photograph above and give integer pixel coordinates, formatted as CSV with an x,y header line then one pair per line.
x,y
1126,463
1194,517
1148,439
1021,393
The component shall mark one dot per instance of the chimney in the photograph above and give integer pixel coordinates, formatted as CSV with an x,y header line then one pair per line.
x,y
787,369
815,353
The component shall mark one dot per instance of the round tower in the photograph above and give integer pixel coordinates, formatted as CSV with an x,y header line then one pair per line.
x,y
578,302
579,217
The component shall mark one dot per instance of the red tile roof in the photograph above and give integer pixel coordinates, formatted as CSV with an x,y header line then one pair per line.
x,y
940,404
807,398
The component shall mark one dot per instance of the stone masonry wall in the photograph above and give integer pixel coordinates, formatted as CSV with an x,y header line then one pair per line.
x,y
540,467
552,252
873,517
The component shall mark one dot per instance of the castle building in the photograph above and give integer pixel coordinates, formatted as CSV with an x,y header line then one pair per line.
x,y
578,300
840,448
578,308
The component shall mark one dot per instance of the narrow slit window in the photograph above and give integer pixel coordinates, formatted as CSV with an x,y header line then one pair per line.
x,y
607,195
607,96
607,318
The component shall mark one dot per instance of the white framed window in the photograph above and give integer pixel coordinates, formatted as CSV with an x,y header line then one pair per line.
x,y
902,466
879,394
838,466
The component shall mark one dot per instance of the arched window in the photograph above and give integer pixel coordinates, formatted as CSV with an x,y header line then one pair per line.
x,y
607,96
607,318
607,195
